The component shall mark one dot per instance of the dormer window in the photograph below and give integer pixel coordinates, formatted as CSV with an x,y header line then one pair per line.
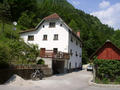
x,y
30,37
52,24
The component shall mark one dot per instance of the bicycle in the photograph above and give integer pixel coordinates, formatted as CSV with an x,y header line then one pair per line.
x,y
37,75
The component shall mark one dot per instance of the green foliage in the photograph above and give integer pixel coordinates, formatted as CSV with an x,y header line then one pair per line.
x,y
41,61
116,38
28,13
107,70
73,25
14,50
32,53
4,56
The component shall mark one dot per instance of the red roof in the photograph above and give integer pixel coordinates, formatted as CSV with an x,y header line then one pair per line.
x,y
108,51
53,16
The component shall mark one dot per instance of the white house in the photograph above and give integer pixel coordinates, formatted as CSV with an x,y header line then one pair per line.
x,y
59,46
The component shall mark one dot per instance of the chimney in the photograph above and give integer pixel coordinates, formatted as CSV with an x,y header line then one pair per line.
x,y
78,34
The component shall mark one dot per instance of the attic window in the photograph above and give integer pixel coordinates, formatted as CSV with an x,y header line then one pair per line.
x,y
52,24
30,37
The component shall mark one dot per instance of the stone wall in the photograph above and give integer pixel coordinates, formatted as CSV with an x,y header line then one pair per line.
x,y
23,71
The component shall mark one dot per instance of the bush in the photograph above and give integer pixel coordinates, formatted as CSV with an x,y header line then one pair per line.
x,y
41,61
118,79
4,56
107,70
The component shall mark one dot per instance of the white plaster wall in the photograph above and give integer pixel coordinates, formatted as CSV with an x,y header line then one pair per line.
x,y
48,61
61,43
75,59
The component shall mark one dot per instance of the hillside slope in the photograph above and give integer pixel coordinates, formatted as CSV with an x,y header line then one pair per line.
x,y
93,32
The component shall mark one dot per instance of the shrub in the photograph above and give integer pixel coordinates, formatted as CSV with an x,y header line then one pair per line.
x,y
41,61
4,56
118,79
107,70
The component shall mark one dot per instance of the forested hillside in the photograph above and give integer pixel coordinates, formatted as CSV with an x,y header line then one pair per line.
x,y
28,13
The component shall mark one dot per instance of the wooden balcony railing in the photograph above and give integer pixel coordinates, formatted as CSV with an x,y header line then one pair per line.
x,y
51,54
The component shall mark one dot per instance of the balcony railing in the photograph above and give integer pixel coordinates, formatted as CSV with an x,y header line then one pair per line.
x,y
51,54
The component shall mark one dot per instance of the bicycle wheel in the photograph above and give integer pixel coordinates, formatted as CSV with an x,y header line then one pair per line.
x,y
33,76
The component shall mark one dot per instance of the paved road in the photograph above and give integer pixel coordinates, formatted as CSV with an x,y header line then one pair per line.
x,y
71,81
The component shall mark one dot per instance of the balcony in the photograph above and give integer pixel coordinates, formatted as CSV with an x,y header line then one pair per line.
x,y
54,56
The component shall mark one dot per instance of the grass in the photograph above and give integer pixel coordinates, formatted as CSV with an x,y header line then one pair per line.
x,y
105,81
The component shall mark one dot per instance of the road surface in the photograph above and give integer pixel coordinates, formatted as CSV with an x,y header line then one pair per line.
x,y
71,81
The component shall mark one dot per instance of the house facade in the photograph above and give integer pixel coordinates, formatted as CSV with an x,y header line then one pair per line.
x,y
59,46
107,52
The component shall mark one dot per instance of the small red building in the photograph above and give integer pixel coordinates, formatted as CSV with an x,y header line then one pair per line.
x,y
108,52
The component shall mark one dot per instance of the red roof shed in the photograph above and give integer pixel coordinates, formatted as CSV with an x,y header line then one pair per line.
x,y
108,52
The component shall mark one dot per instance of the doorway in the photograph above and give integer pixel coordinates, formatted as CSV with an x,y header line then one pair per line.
x,y
42,52
58,66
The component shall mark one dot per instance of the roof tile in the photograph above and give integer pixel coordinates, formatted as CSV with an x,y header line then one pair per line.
x,y
53,16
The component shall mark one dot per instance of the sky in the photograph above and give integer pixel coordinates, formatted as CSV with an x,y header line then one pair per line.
x,y
108,11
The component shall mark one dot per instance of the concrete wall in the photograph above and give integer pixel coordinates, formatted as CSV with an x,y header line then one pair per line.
x,y
48,61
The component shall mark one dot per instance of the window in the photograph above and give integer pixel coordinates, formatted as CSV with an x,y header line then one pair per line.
x,y
43,26
76,43
80,45
61,25
79,55
55,50
70,65
71,52
44,37
52,24
55,37
30,38
76,53
76,65
71,39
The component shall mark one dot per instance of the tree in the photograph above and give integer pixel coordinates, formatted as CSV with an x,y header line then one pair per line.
x,y
5,14
4,56
25,20
32,53
116,38
73,25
